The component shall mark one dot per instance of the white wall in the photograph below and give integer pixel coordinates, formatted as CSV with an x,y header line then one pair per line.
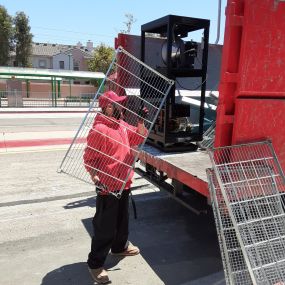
x,y
68,61
36,61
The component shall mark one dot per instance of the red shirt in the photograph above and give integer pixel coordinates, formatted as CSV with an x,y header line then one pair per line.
x,y
110,151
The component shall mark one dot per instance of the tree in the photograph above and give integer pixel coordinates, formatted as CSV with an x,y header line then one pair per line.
x,y
129,23
6,32
23,39
102,58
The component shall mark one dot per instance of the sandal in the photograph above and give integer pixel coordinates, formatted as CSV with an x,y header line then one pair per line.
x,y
129,251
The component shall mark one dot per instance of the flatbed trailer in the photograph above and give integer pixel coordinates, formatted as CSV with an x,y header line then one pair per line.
x,y
182,174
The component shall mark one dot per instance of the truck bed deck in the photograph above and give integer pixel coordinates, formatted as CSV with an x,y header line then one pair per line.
x,y
188,168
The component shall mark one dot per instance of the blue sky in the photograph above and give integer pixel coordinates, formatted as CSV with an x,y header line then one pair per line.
x,y
67,22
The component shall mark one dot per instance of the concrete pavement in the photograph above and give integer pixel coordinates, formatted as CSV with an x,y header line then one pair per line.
x,y
45,221
25,128
37,110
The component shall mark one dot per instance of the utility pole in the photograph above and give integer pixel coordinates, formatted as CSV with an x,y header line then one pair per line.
x,y
69,56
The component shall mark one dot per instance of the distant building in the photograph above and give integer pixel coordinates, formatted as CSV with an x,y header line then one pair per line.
x,y
58,56
72,59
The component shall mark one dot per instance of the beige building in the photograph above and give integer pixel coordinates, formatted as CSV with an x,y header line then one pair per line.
x,y
58,56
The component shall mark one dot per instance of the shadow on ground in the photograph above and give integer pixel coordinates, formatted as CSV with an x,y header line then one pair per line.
x,y
76,273
179,246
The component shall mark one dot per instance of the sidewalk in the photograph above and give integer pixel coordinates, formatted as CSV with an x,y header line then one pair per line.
x,y
30,139
43,110
41,132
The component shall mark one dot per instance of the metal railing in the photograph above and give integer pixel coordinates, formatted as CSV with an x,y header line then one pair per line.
x,y
15,99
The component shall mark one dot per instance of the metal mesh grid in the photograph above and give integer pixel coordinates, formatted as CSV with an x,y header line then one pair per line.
x,y
252,183
208,137
93,147
236,272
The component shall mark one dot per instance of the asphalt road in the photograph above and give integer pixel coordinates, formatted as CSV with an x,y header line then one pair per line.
x,y
45,221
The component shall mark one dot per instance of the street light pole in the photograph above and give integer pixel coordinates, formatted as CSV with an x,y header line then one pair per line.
x,y
69,56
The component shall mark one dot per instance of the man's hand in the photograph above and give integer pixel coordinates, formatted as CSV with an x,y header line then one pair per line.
x,y
143,113
98,184
95,179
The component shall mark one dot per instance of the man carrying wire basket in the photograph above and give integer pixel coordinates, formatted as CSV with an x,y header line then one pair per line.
x,y
109,158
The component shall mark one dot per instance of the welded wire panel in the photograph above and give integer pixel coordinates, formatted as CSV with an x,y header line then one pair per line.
x,y
208,137
236,271
252,185
111,135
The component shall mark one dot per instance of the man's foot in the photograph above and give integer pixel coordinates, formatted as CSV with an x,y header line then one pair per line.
x,y
129,251
99,275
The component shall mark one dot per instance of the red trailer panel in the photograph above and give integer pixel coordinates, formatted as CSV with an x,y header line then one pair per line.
x,y
252,88
257,119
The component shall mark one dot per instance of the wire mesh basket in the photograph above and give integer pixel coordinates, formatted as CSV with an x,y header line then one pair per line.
x,y
208,137
252,185
236,271
108,142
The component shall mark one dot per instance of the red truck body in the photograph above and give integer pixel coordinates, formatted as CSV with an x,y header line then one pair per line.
x,y
252,85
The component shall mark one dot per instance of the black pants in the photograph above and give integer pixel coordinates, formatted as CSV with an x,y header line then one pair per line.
x,y
111,228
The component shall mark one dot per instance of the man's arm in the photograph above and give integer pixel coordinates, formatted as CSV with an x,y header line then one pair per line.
x,y
96,143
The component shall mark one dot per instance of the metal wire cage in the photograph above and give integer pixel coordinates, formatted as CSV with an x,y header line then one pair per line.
x,y
236,271
107,143
252,185
208,137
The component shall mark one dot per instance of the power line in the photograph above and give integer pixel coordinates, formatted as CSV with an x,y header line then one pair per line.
x,y
62,38
74,32
39,37
64,41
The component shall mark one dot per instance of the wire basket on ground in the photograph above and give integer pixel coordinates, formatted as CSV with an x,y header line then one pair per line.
x,y
236,272
108,146
252,184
